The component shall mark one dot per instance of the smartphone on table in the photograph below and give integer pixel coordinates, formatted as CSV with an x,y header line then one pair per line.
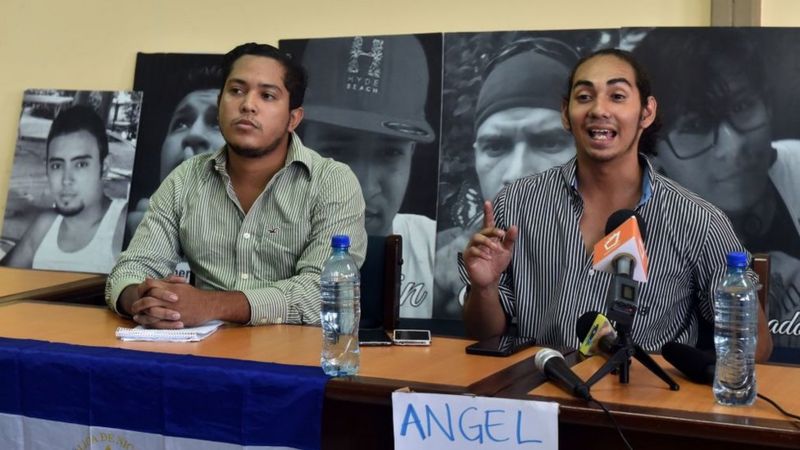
x,y
373,337
502,345
412,337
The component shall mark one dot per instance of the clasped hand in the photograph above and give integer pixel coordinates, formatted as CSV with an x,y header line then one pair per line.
x,y
168,303
488,252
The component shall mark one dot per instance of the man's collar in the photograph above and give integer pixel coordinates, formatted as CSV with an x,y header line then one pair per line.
x,y
569,172
298,153
647,179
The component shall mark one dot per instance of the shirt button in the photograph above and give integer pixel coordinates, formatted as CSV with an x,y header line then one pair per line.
x,y
591,272
279,320
246,235
263,321
245,276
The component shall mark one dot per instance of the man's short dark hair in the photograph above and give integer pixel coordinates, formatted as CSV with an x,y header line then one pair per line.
x,y
294,77
686,63
80,118
647,143
200,79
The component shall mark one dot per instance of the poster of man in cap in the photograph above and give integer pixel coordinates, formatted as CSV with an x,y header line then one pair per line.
x,y
501,120
373,102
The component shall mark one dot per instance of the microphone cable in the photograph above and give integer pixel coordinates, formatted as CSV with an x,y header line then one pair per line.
x,y
613,421
698,366
628,445
777,406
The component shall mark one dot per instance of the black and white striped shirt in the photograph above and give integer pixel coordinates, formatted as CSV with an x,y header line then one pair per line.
x,y
273,254
550,282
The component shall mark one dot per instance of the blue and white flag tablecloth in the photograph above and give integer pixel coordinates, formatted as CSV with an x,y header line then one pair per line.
x,y
81,398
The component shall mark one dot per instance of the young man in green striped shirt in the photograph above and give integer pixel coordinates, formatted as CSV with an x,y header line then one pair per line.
x,y
253,219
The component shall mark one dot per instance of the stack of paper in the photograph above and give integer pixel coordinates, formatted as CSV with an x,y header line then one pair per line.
x,y
181,335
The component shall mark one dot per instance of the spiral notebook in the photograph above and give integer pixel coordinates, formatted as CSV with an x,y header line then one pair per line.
x,y
193,334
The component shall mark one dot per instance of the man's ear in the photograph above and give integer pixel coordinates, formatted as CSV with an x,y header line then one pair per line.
x,y
648,112
106,166
565,115
295,117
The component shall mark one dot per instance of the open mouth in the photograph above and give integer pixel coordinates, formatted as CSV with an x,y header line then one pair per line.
x,y
602,134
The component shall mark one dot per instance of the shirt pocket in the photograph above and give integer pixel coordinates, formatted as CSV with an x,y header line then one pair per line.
x,y
280,246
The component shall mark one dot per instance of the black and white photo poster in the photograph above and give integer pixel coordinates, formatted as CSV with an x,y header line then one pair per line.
x,y
373,102
501,120
730,134
70,181
179,119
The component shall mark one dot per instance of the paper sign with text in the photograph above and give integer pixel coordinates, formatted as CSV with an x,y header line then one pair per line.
x,y
425,421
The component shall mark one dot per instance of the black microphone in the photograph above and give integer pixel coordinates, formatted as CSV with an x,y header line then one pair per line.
x,y
552,364
697,365
596,334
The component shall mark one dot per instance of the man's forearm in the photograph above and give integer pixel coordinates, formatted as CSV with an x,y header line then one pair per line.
x,y
483,315
231,306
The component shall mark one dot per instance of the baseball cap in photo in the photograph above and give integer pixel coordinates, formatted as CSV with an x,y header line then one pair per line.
x,y
372,83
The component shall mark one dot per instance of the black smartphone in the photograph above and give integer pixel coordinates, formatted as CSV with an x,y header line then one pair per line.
x,y
500,345
373,337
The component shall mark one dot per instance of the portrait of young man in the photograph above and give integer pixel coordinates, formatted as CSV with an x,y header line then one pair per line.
x,y
515,131
86,186
373,103
724,139
253,219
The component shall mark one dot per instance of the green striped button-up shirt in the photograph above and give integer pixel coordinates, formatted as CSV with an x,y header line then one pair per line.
x,y
273,254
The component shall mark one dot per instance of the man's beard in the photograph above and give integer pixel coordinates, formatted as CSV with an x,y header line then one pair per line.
x,y
256,152
69,211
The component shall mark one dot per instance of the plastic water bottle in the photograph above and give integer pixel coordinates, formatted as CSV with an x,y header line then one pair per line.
x,y
735,334
340,286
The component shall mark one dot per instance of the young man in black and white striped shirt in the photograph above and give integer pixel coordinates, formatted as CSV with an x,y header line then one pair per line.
x,y
532,261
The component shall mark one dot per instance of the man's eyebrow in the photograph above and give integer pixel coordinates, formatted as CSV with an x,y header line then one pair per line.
x,y
582,83
183,109
74,158
612,81
260,85
620,80
492,136
270,86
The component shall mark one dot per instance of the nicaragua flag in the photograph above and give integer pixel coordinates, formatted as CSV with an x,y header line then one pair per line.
x,y
76,397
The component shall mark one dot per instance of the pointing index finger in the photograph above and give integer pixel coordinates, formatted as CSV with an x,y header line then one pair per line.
x,y
488,214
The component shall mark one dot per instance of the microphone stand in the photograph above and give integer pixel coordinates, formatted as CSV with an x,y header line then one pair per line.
x,y
622,306
621,361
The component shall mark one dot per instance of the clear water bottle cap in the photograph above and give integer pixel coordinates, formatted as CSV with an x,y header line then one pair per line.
x,y
736,259
340,241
